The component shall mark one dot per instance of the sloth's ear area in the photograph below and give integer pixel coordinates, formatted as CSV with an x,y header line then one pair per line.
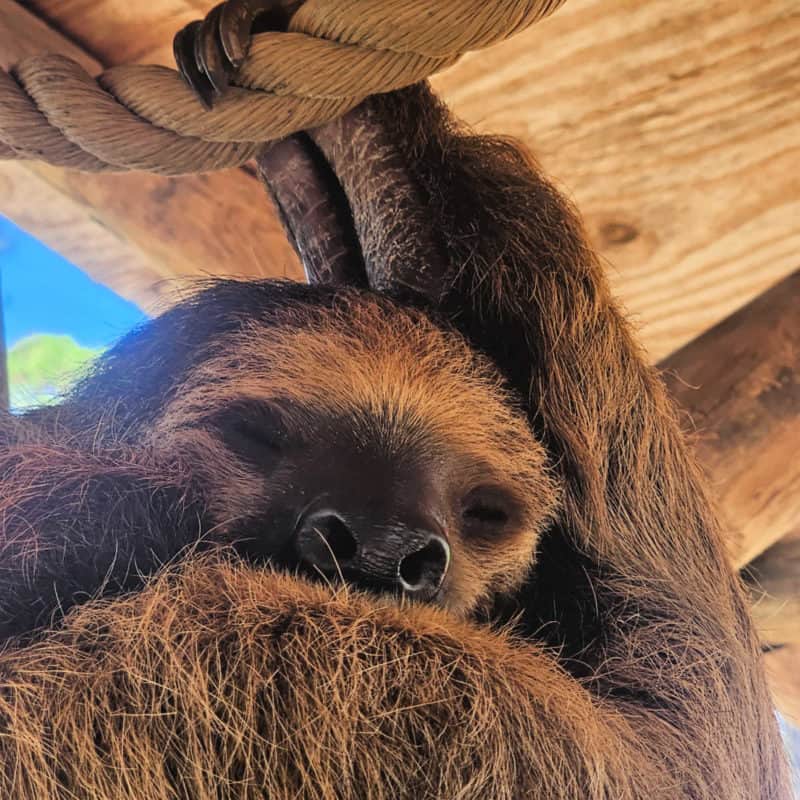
x,y
314,211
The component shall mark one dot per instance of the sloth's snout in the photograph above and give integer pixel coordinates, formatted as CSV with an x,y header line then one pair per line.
x,y
389,558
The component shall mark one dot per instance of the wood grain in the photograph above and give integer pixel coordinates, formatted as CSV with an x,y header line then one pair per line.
x,y
65,226
676,128
740,384
783,677
103,225
121,32
146,236
774,582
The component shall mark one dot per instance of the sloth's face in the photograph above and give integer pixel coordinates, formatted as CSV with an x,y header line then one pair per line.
x,y
365,445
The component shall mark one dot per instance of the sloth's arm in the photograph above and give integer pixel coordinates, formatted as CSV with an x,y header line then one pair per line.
x,y
633,582
78,524
227,681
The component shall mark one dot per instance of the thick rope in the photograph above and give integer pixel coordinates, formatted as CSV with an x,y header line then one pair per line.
x,y
335,53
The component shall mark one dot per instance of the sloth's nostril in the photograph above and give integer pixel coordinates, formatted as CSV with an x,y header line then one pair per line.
x,y
339,537
325,540
423,571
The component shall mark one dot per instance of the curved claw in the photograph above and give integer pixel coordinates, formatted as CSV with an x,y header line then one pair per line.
x,y
184,52
209,52
236,25
314,211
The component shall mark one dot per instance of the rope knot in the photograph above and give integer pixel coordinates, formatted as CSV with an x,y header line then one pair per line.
x,y
306,64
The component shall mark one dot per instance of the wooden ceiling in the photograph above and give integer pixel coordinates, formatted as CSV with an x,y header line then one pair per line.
x,y
674,126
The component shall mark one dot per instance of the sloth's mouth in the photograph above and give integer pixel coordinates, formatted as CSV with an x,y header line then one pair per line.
x,y
348,194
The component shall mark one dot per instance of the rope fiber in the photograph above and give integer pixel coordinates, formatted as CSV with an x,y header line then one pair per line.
x,y
333,54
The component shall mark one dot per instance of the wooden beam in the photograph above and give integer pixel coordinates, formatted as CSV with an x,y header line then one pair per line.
x,y
783,677
740,384
138,33
71,228
145,236
774,582
676,129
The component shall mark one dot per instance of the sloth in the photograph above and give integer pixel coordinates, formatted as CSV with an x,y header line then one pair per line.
x,y
453,411
332,432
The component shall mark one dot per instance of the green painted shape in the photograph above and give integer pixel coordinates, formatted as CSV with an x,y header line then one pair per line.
x,y
44,366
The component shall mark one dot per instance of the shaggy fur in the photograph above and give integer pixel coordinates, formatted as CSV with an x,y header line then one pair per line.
x,y
639,675
225,682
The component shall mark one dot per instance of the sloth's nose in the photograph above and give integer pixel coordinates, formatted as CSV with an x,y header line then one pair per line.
x,y
387,558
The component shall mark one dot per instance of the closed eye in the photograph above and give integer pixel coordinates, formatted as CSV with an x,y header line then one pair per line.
x,y
487,507
485,513
257,433
253,429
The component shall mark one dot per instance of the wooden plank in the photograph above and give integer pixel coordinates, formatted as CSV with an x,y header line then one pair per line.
x,y
220,224
783,677
740,384
70,228
107,226
22,34
167,231
774,581
135,33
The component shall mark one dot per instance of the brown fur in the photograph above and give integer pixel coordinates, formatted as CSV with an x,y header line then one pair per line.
x,y
227,682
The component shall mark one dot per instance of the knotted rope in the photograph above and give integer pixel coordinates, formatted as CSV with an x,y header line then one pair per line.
x,y
333,54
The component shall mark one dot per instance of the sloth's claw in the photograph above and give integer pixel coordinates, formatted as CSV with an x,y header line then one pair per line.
x,y
183,51
209,52
236,26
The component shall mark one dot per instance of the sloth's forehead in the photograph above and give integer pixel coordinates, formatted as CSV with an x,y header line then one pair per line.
x,y
384,364
396,376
